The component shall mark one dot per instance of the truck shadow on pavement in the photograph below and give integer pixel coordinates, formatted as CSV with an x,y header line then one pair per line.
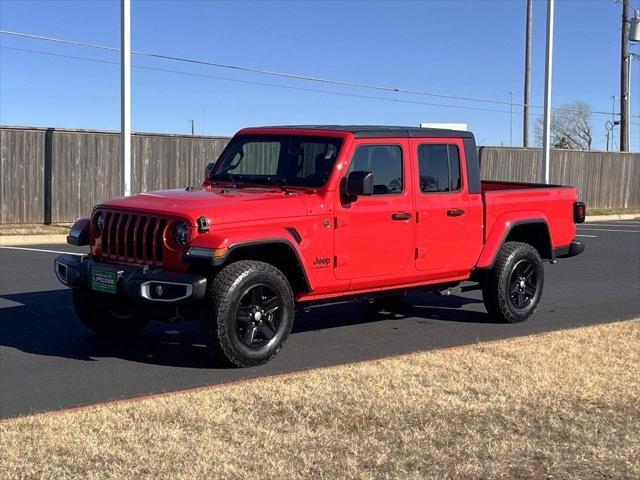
x,y
44,323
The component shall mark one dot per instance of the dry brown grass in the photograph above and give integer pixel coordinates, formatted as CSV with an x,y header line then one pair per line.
x,y
35,229
558,405
611,211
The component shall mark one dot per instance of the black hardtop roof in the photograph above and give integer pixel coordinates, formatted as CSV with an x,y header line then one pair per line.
x,y
373,131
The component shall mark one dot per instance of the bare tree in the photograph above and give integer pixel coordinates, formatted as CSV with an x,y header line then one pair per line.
x,y
570,127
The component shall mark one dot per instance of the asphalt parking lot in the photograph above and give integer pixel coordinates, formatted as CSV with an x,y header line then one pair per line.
x,y
48,360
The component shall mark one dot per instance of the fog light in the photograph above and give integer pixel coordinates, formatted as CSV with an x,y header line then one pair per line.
x,y
165,291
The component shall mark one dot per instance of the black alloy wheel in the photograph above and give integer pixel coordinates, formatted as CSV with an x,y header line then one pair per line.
x,y
258,316
523,284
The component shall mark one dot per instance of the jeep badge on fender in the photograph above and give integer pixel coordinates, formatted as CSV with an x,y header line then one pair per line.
x,y
321,262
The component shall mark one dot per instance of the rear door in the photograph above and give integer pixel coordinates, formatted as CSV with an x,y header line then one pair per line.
x,y
374,234
444,246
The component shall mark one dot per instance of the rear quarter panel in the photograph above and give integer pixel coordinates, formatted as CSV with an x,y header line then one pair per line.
x,y
509,204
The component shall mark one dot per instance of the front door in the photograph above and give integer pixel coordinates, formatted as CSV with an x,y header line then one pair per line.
x,y
374,233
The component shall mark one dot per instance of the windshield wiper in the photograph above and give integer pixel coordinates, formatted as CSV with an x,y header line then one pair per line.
x,y
228,175
279,182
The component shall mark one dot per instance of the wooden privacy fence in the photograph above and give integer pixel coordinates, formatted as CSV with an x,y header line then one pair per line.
x,y
57,175
603,179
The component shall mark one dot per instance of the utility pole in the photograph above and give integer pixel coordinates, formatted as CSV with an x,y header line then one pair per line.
x,y
192,122
527,75
125,97
625,60
548,77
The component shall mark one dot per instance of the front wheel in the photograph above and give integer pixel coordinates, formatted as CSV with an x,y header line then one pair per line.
x,y
250,315
107,316
513,287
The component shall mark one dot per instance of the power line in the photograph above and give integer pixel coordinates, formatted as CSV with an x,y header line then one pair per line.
x,y
253,82
265,84
281,74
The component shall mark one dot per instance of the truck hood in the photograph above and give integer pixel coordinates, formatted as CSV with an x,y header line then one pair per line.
x,y
219,205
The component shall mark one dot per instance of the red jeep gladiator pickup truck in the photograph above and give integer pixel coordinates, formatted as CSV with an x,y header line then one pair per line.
x,y
299,215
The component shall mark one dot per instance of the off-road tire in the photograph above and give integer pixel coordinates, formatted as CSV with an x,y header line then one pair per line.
x,y
497,285
110,317
220,322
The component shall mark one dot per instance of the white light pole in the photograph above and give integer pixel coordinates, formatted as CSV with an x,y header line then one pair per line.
x,y
634,37
527,75
125,97
548,77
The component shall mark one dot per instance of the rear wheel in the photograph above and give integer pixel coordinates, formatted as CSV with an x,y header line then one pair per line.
x,y
513,287
108,317
251,313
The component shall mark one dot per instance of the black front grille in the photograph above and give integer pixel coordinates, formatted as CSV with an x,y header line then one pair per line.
x,y
132,237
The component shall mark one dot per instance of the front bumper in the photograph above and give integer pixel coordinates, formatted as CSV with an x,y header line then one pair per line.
x,y
140,283
571,250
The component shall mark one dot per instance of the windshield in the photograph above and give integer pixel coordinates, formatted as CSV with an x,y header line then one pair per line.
x,y
291,160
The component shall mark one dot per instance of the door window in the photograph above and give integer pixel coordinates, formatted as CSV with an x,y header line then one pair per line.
x,y
385,163
439,166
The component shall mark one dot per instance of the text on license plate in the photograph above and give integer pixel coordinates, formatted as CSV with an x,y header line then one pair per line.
x,y
103,280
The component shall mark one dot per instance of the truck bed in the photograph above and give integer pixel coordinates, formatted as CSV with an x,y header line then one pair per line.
x,y
551,203
492,185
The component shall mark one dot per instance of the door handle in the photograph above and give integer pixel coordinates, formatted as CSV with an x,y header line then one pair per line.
x,y
401,216
456,212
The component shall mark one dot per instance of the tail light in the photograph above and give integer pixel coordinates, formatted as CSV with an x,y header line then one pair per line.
x,y
579,212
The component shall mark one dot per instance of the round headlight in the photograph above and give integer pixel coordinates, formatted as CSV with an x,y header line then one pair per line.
x,y
99,219
181,233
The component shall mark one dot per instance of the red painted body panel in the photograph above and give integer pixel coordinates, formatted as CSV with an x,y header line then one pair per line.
x,y
368,250
371,248
522,203
447,245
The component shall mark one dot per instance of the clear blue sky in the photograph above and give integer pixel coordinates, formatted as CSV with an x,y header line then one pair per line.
x,y
470,48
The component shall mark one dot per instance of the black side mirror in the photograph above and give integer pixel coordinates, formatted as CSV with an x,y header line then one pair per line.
x,y
207,171
359,183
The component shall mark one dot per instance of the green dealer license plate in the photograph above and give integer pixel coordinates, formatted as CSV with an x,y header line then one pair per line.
x,y
104,280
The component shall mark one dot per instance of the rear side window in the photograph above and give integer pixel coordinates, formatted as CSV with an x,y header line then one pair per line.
x,y
439,166
385,163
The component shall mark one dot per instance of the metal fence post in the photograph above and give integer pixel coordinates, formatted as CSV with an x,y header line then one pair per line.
x,y
47,181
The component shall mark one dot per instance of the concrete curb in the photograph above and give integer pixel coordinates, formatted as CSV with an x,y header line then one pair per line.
x,y
622,216
14,240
